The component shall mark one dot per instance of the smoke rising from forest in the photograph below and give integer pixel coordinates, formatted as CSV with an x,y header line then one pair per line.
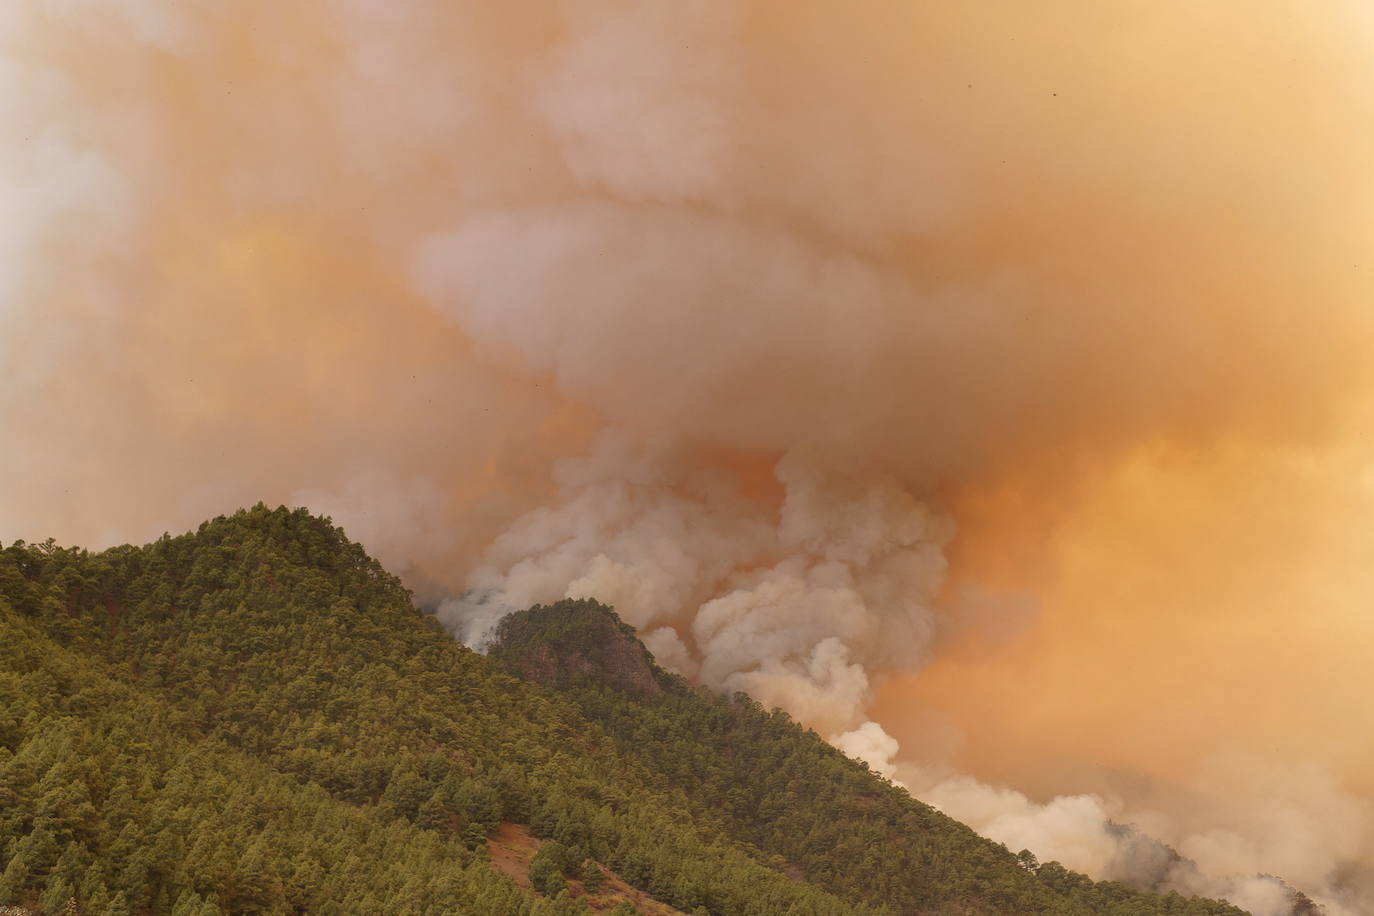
x,y
983,385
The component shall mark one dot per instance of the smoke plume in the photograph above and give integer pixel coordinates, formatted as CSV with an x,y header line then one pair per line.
x,y
988,386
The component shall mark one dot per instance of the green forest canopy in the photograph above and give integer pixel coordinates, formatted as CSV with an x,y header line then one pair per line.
x,y
254,718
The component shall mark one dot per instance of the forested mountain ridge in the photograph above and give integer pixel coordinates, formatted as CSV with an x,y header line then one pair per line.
x,y
762,780
254,718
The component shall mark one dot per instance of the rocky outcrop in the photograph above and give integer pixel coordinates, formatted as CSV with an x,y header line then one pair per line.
x,y
576,642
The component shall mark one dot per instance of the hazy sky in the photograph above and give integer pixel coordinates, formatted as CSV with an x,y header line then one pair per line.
x,y
990,388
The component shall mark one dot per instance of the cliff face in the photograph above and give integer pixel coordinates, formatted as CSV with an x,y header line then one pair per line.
x,y
576,642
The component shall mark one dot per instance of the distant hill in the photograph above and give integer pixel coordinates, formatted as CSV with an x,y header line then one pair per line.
x,y
254,718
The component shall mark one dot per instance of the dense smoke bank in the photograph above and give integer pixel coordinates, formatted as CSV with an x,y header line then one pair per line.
x,y
981,385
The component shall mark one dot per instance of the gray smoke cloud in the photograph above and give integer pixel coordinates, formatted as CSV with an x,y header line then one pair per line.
x,y
788,605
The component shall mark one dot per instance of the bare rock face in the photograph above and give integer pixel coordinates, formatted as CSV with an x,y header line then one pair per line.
x,y
573,643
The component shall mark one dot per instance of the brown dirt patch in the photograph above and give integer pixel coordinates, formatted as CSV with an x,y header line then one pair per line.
x,y
511,847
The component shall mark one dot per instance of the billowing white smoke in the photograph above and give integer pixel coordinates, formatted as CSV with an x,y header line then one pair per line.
x,y
791,604
1298,823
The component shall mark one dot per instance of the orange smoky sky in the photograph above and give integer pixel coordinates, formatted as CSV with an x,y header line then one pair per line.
x,y
987,385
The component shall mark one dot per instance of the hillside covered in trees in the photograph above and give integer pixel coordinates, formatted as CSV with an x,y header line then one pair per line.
x,y
254,718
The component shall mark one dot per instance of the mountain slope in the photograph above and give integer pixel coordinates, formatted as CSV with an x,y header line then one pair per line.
x,y
763,780
254,718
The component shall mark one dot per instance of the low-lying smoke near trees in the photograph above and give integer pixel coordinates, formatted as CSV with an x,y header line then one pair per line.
x,y
986,385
